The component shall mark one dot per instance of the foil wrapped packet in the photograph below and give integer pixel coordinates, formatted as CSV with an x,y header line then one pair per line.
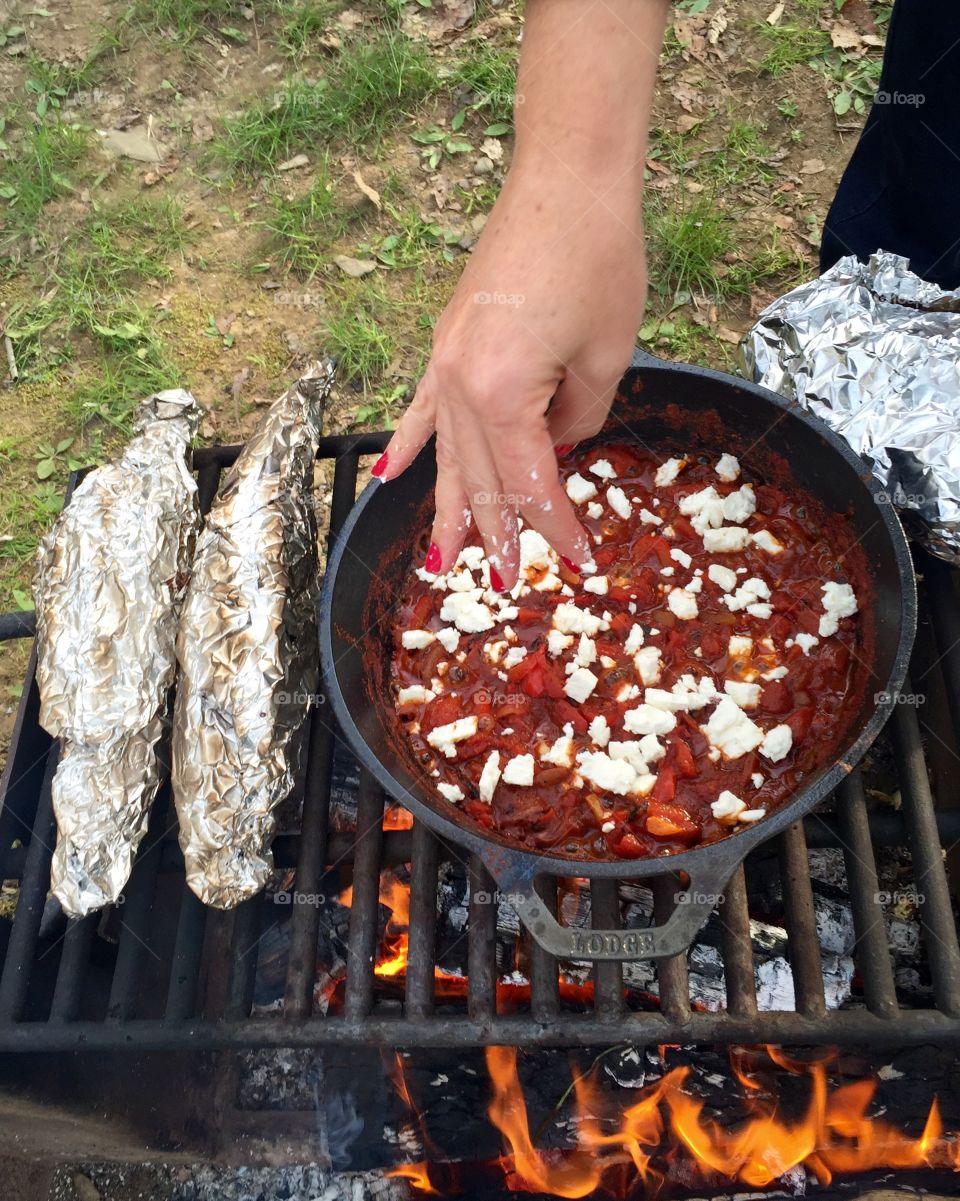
x,y
248,651
110,578
874,351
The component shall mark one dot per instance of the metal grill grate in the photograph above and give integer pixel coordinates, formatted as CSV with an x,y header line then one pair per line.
x,y
166,981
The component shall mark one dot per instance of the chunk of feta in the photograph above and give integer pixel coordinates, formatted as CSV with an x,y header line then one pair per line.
x,y
609,775
416,694
599,731
450,792
668,571
651,749
667,472
752,815
536,553
683,604
731,731
560,754
489,777
806,642
570,619
626,692
467,612
756,780
838,602
580,684
739,505
595,510
747,696
722,576
775,673
749,593
617,500
445,738
648,665
777,743
727,808
631,752
580,490
604,469
768,542
557,643
680,556
449,639
416,640
634,640
519,771
597,584
727,540
586,651
515,655
687,694
727,468
649,518
647,719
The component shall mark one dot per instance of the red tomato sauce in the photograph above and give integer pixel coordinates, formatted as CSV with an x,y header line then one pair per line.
x,y
528,710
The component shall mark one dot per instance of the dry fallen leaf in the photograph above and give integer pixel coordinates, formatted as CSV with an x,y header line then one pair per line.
x,y
371,193
298,160
717,27
843,36
686,122
812,166
773,17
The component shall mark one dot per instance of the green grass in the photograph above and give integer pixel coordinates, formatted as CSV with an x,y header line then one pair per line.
x,y
489,74
302,228
38,169
687,245
359,337
300,29
368,89
791,45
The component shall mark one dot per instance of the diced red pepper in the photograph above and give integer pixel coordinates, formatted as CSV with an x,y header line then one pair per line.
x,y
683,760
800,722
665,788
671,821
775,697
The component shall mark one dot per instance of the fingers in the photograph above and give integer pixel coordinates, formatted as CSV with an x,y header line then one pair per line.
x,y
578,409
413,431
452,518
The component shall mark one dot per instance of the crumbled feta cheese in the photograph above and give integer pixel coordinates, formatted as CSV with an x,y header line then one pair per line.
x,y
626,692
705,507
603,469
756,780
514,655
739,645
607,662
806,642
775,673
580,684
548,582
449,639
728,539
749,593
450,792
722,576
597,584
595,510
608,827
579,489
569,619
731,731
630,752
649,518
588,568
777,743
461,581
560,754
508,613
680,556
768,542
490,777
838,602
536,554
760,610
667,570
467,612
727,808
599,731
445,737
667,472
683,604
416,694
687,694
634,640
747,696
416,640
471,557
617,500
740,505
646,719
586,651
493,651
648,665
557,643
609,775
727,468
651,749
695,585
519,771
752,815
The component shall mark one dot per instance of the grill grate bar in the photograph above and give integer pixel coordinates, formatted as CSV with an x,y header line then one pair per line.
x,y
74,954
672,974
930,875
18,963
944,598
544,979
365,904
803,943
423,922
481,944
242,969
187,957
607,976
872,952
305,919
738,967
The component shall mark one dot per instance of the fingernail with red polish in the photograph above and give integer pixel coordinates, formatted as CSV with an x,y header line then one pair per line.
x,y
496,583
569,565
565,448
380,466
432,561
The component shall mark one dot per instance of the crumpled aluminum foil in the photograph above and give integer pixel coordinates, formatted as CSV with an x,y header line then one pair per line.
x,y
248,651
874,351
110,578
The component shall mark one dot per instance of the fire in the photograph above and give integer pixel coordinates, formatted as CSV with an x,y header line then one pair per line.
x,y
395,817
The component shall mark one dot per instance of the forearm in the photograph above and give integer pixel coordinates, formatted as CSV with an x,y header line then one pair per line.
x,y
585,89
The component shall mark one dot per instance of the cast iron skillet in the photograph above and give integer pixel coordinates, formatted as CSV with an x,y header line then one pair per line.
x,y
365,575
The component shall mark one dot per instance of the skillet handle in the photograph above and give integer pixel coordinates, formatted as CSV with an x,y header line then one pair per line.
x,y
695,903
